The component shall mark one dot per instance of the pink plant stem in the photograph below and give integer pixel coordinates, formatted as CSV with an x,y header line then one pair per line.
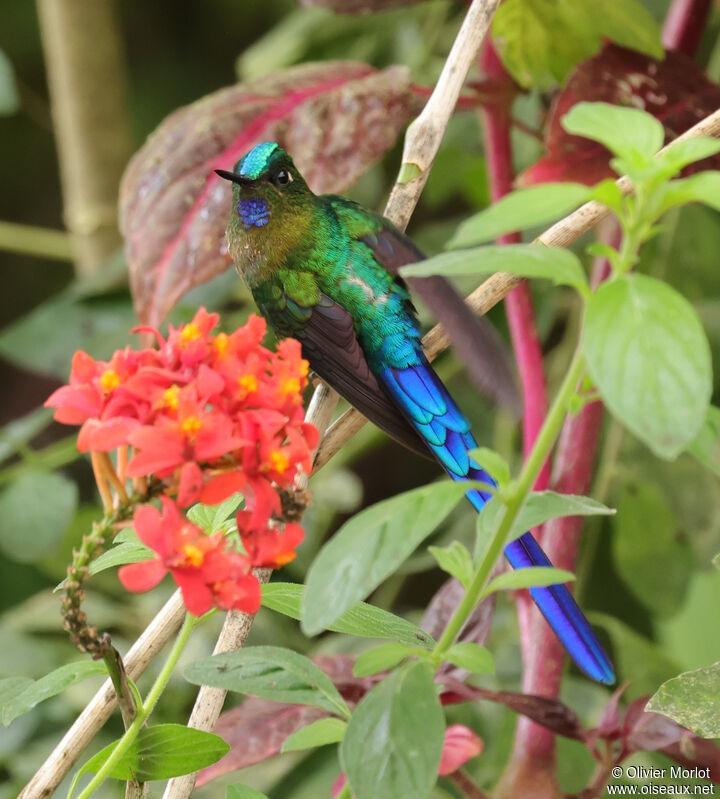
x,y
684,25
518,304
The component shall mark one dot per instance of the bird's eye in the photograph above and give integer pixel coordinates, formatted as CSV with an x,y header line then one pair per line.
x,y
282,178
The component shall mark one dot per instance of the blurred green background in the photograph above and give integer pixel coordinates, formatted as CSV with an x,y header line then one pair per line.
x,y
649,582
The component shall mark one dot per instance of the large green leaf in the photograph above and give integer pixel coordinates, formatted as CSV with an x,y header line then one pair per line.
x,y
35,511
394,740
530,577
520,210
243,792
701,188
693,700
162,752
655,566
541,41
525,260
363,620
370,547
213,518
456,561
50,685
650,359
270,672
381,658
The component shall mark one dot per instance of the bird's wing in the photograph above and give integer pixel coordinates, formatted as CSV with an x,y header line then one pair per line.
x,y
327,334
476,341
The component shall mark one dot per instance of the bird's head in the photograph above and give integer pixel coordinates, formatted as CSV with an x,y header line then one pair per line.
x,y
266,187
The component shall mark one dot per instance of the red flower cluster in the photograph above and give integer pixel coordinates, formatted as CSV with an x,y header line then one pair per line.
x,y
208,415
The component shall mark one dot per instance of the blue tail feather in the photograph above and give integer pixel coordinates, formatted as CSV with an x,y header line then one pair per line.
x,y
419,392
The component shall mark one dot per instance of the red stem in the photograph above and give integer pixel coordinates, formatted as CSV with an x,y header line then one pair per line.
x,y
497,121
685,24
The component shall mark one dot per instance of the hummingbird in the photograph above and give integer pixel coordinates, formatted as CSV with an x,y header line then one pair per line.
x,y
325,270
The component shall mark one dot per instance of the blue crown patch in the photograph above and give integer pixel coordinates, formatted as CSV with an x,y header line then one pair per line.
x,y
252,164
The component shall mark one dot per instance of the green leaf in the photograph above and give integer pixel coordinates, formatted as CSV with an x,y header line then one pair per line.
x,y
20,431
369,548
609,194
50,685
393,743
160,753
493,463
541,41
706,444
212,518
685,152
526,260
520,210
455,560
381,658
540,507
10,687
656,568
648,355
270,672
36,509
692,699
531,577
319,733
701,188
121,555
472,657
627,132
243,792
9,96
362,620
45,339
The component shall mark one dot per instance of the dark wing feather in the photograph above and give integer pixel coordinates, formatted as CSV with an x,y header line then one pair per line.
x,y
328,340
476,341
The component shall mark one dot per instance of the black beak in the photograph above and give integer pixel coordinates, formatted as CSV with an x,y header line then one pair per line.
x,y
231,176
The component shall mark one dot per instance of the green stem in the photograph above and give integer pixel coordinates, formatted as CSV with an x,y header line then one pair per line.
x,y
144,711
47,459
514,501
39,241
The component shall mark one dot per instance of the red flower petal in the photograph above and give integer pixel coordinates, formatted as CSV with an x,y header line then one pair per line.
x,y
197,596
222,487
141,577
191,483
461,744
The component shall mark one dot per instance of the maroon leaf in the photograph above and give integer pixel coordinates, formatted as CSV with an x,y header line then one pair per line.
x,y
675,90
550,713
694,752
257,729
335,118
357,6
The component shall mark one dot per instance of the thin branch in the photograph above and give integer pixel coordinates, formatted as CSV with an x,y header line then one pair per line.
x,y
167,622
496,288
40,242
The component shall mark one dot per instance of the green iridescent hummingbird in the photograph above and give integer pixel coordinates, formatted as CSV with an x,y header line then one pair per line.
x,y
324,270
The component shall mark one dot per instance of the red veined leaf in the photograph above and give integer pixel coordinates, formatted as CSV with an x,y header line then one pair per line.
x,y
335,118
675,90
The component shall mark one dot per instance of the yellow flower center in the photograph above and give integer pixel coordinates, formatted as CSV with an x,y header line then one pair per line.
x,y
221,344
193,555
190,332
291,385
284,558
279,461
191,425
304,368
170,395
109,380
248,383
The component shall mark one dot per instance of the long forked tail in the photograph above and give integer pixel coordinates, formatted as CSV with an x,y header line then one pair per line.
x,y
428,406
